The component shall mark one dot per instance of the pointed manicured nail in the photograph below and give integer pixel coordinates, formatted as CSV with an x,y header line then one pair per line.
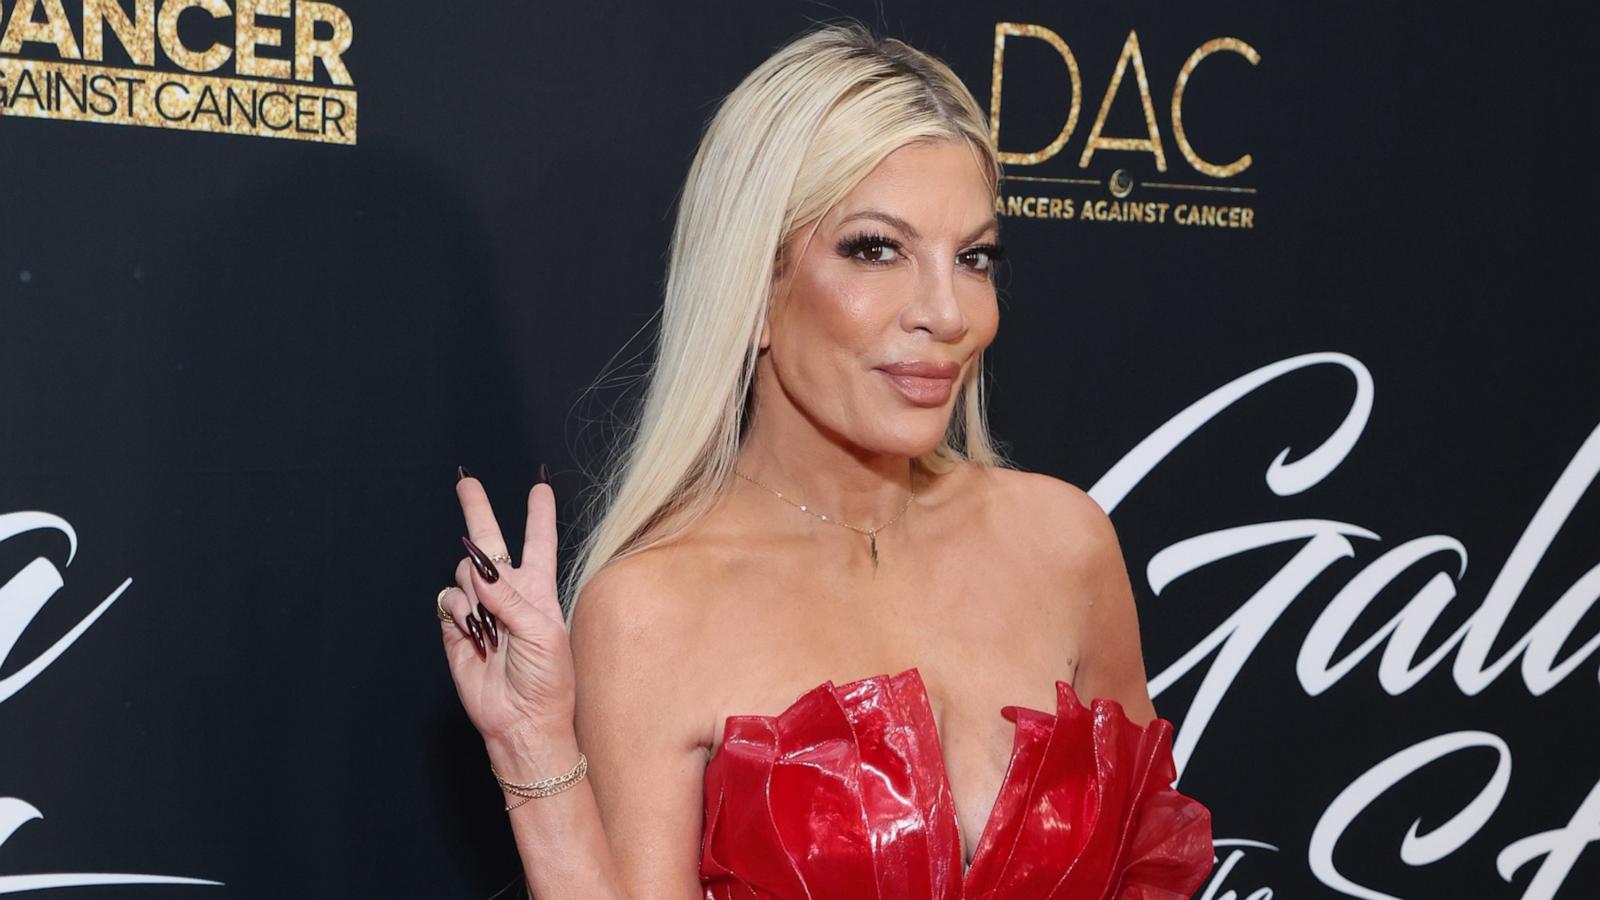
x,y
461,472
475,630
544,474
481,561
490,628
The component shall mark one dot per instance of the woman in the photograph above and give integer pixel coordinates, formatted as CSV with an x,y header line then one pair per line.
x,y
822,642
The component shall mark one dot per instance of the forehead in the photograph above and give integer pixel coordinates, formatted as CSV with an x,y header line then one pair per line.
x,y
931,185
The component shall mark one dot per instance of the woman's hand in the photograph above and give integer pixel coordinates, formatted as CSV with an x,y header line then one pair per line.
x,y
508,647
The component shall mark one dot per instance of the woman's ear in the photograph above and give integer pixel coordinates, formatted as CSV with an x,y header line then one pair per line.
x,y
775,290
765,340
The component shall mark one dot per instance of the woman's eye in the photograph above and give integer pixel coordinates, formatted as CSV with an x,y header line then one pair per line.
x,y
980,259
878,252
872,249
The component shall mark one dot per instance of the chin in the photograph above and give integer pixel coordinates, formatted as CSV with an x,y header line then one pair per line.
x,y
913,441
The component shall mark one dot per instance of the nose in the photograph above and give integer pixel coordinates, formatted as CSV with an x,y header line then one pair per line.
x,y
936,308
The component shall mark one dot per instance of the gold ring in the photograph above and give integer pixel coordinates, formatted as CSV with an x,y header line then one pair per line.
x,y
444,614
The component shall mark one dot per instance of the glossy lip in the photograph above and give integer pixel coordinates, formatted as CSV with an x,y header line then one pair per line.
x,y
921,368
923,382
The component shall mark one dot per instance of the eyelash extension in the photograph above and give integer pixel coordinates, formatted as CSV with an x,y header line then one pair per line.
x,y
852,245
996,252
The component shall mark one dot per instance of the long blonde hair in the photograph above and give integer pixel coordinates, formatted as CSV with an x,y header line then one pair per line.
x,y
797,135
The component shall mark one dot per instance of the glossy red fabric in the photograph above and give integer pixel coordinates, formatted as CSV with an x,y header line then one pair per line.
x,y
843,796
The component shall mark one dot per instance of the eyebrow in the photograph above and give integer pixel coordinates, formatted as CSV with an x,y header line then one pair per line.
x,y
889,218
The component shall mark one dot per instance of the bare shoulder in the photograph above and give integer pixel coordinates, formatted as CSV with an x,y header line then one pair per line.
x,y
1090,570
638,719
1066,521
635,636
626,596
1075,532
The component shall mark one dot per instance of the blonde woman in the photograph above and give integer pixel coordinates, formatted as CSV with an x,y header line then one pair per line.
x,y
822,642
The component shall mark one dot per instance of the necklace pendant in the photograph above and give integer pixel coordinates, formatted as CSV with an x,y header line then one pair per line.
x,y
872,540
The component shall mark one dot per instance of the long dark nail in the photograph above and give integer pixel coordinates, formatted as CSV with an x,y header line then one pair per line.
x,y
461,472
490,627
484,565
544,474
476,631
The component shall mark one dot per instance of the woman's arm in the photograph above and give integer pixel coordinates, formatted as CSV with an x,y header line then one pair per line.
x,y
559,838
1113,656
638,719
1079,539
566,850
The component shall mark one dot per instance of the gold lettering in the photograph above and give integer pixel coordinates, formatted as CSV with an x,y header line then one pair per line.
x,y
1215,45
53,30
172,45
337,118
51,89
207,105
137,36
161,96
1151,144
303,112
285,122
307,48
1001,30
250,36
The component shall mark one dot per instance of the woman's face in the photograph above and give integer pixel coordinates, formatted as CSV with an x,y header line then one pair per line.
x,y
881,317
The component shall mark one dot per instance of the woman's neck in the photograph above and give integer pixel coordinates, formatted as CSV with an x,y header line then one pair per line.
x,y
861,490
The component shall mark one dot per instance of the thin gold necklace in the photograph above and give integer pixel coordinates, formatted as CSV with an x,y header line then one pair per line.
x,y
871,533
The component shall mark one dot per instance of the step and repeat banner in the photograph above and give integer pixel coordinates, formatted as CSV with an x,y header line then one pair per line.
x,y
1300,293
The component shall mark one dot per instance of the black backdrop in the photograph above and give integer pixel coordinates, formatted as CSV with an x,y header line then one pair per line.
x,y
238,373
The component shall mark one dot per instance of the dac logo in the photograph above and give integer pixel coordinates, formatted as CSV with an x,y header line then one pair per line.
x,y
1120,183
271,94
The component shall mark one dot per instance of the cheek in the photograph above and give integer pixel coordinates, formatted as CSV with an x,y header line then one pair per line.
x,y
982,308
842,313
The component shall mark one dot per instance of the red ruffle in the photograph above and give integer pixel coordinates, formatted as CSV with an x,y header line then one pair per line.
x,y
1086,810
844,796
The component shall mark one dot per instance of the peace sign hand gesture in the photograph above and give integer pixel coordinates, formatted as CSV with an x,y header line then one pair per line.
x,y
507,644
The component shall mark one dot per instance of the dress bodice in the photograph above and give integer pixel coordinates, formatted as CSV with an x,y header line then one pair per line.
x,y
844,796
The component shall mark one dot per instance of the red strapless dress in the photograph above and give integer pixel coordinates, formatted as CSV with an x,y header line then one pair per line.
x,y
843,796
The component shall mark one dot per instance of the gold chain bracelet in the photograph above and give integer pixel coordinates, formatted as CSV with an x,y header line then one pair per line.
x,y
544,787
